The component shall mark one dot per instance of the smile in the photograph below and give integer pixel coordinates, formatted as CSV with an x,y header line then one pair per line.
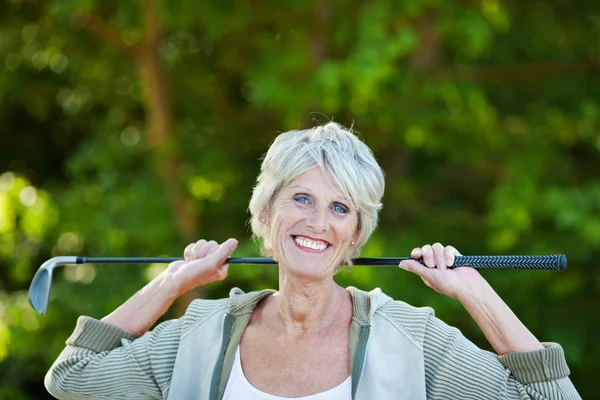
x,y
309,244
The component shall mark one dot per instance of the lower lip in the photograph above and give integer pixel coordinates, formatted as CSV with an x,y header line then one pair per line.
x,y
308,250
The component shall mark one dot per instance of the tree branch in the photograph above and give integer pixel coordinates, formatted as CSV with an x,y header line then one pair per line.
x,y
428,53
152,28
318,46
102,30
319,42
159,121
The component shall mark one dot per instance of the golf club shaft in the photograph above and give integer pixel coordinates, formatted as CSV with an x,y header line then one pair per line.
x,y
551,262
41,284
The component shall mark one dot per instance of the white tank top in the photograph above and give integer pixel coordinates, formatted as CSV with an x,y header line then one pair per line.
x,y
238,387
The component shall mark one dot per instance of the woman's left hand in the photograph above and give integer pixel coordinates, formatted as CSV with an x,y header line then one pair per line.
x,y
454,283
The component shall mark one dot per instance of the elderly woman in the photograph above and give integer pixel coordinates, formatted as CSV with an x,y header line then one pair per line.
x,y
314,206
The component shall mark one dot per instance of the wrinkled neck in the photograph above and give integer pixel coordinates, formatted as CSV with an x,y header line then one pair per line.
x,y
311,307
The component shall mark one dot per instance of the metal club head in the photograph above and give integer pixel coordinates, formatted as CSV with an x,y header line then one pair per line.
x,y
39,290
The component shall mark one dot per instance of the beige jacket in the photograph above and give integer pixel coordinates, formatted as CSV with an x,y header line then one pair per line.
x,y
397,352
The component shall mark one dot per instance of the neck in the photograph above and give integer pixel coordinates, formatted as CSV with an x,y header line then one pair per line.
x,y
311,307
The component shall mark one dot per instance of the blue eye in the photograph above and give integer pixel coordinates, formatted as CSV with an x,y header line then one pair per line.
x,y
340,209
301,199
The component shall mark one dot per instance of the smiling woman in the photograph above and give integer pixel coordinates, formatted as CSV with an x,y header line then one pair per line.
x,y
309,216
314,206
346,167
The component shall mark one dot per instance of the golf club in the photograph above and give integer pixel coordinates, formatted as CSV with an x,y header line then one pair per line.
x,y
39,290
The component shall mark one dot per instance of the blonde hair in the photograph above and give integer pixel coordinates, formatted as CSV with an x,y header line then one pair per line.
x,y
349,161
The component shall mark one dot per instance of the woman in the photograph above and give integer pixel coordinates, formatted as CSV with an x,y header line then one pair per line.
x,y
314,206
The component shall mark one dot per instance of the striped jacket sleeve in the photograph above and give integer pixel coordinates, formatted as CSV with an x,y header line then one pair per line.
x,y
102,361
456,368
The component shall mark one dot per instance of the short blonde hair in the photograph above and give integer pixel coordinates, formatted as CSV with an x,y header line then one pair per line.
x,y
349,161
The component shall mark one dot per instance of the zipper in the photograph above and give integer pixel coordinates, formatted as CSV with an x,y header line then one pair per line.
x,y
216,378
359,358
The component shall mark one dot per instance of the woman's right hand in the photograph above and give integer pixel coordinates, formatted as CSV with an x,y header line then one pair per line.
x,y
202,264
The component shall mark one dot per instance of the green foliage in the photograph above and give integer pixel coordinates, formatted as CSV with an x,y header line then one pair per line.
x,y
484,115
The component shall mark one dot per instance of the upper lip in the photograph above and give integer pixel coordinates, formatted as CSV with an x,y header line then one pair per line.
x,y
313,239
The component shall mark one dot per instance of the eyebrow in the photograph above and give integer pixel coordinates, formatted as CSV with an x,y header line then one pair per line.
x,y
336,199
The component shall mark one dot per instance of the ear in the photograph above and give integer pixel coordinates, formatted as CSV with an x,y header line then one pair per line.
x,y
264,215
356,234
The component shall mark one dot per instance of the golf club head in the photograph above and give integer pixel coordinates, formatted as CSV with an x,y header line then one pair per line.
x,y
39,289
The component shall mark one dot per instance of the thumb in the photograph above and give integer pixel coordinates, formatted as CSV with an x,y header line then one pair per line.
x,y
225,250
222,254
223,270
416,267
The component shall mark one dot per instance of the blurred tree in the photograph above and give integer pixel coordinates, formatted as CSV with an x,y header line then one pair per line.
x,y
133,128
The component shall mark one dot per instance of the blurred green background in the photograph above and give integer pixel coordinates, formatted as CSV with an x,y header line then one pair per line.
x,y
134,128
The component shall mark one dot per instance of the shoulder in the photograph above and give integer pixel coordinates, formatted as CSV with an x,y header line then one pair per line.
x,y
413,320
202,310
409,320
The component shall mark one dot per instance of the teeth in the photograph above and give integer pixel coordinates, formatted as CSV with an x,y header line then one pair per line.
x,y
310,244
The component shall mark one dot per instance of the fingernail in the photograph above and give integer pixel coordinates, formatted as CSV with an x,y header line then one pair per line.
x,y
403,265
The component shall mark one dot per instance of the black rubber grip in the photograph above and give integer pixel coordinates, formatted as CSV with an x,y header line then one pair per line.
x,y
557,262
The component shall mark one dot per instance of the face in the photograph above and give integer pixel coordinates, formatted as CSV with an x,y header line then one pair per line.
x,y
312,225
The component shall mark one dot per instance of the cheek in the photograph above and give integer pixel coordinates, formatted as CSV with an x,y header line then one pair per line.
x,y
346,227
281,222
278,234
287,216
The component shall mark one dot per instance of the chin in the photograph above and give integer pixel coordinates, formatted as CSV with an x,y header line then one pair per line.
x,y
307,268
315,273
307,263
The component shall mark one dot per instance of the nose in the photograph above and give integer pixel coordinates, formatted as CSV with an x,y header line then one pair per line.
x,y
318,219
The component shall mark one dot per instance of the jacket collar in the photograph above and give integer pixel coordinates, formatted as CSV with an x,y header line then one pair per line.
x,y
364,303
241,303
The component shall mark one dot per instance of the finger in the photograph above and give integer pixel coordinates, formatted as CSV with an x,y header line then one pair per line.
x,y
211,247
205,249
197,248
428,256
202,249
416,268
192,249
187,252
438,254
227,247
416,253
224,251
223,270
449,253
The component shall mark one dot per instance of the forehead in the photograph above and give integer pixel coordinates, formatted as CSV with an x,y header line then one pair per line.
x,y
317,181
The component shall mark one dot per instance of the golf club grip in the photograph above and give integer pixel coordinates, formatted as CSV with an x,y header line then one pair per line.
x,y
557,262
